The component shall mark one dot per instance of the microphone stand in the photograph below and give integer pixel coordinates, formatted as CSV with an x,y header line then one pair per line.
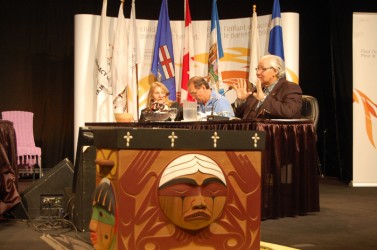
x,y
213,105
213,117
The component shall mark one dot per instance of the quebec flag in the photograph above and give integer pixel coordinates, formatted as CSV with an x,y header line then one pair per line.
x,y
163,58
275,44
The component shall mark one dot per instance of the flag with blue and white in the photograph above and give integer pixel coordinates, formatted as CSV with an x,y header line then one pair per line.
x,y
275,44
216,49
163,57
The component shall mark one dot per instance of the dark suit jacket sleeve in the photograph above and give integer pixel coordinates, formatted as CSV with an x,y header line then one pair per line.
x,y
285,101
245,110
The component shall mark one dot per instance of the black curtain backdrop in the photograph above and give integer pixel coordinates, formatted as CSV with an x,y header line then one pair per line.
x,y
36,64
36,69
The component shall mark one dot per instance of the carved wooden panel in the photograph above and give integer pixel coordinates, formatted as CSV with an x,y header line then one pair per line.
x,y
178,199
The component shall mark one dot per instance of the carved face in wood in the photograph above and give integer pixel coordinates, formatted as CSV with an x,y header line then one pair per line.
x,y
102,224
192,191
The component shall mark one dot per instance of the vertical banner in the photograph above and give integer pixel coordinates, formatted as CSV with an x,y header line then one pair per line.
x,y
291,23
364,99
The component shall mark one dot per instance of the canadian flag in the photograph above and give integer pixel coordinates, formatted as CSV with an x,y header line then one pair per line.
x,y
187,60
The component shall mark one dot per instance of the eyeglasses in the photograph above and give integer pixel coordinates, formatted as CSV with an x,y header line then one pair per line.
x,y
193,93
262,69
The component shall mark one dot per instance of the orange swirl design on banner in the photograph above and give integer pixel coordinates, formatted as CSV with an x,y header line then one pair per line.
x,y
370,108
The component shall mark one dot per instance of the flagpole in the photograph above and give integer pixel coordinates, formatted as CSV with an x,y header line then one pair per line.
x,y
136,71
254,46
136,55
137,87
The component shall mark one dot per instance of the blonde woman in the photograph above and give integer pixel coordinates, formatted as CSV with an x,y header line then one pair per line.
x,y
158,100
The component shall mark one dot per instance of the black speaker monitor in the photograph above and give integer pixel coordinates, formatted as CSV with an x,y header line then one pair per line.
x,y
45,197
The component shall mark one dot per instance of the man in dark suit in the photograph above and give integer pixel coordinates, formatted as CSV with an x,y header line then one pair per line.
x,y
272,97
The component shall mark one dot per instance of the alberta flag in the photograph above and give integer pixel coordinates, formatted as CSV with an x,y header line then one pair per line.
x,y
163,58
215,51
275,44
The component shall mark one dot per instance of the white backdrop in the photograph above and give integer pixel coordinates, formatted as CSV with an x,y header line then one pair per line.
x,y
364,99
235,38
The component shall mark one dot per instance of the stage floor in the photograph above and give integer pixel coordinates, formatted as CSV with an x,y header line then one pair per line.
x,y
346,221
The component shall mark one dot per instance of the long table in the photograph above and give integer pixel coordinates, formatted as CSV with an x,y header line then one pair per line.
x,y
289,162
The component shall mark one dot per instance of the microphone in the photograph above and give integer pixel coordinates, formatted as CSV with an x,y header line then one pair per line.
x,y
229,89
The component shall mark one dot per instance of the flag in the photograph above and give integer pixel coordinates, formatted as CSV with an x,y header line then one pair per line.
x,y
163,57
275,44
123,67
119,64
103,60
187,49
254,47
133,61
215,50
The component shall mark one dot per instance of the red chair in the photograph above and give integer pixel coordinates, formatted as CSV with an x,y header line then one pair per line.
x,y
28,155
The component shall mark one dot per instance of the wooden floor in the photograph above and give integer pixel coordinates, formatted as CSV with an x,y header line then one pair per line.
x,y
347,220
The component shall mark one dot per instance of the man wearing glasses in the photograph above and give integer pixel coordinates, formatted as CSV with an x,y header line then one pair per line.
x,y
199,89
272,97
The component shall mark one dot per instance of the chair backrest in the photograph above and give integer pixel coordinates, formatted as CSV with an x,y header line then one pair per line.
x,y
23,125
310,109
